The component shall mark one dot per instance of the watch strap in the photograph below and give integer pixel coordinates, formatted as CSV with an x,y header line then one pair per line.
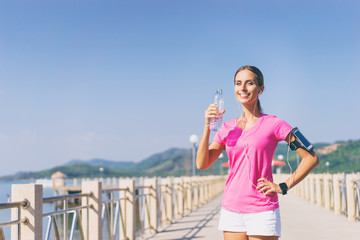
x,y
283,188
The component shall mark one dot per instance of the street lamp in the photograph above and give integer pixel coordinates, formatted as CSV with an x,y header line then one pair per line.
x,y
327,164
278,169
221,166
101,169
193,139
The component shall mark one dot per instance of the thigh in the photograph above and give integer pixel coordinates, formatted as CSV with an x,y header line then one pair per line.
x,y
263,237
235,236
267,223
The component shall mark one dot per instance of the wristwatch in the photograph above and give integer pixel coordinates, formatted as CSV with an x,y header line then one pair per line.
x,y
295,145
284,188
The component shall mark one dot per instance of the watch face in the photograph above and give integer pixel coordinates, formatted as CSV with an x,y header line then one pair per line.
x,y
283,187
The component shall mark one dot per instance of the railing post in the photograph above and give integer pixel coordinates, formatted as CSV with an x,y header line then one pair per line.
x,y
351,196
202,191
34,213
210,187
312,188
179,198
327,191
211,181
188,187
152,204
167,189
318,192
206,189
337,193
307,188
195,191
91,218
114,181
302,189
127,210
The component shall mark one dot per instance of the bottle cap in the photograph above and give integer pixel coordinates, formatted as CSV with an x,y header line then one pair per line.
x,y
219,91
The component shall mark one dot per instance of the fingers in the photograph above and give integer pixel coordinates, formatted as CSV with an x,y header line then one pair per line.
x,y
263,180
213,112
266,186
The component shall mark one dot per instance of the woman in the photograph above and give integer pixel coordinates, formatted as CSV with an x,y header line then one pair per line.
x,y
250,208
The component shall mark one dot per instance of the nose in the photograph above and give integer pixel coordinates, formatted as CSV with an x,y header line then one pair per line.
x,y
243,87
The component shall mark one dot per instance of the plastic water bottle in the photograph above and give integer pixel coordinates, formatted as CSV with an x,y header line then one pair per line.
x,y
215,124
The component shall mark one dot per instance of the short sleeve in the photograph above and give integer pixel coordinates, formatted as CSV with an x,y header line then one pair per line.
x,y
282,130
219,135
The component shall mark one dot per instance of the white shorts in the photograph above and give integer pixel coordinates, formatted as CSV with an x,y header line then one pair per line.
x,y
266,223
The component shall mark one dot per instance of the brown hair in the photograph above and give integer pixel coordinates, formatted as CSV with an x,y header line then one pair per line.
x,y
259,79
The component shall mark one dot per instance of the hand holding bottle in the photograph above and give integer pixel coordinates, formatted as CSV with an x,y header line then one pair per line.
x,y
218,100
212,113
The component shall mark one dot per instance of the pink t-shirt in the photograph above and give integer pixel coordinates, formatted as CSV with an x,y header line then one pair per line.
x,y
250,155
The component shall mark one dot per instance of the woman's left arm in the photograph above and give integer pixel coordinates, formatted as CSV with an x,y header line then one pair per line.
x,y
309,161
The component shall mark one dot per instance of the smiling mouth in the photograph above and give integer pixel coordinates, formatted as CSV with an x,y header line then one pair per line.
x,y
243,95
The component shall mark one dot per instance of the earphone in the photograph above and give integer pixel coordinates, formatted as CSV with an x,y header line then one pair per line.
x,y
249,161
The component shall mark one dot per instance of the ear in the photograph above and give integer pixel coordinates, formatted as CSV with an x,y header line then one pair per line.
x,y
261,90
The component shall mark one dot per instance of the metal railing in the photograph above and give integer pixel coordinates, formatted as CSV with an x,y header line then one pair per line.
x,y
20,204
75,211
117,213
336,192
112,211
143,208
163,191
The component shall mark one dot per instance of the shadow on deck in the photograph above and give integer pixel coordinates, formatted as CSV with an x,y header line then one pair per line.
x,y
300,220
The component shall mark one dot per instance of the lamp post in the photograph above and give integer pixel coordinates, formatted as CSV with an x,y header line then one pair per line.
x,y
278,169
101,169
221,166
327,166
193,139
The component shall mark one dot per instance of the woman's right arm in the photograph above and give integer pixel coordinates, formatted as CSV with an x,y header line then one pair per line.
x,y
206,155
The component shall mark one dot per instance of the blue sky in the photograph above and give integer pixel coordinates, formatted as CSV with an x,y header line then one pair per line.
x,y
122,80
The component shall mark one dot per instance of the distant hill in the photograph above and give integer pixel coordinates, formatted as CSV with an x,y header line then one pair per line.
x,y
345,157
171,162
102,163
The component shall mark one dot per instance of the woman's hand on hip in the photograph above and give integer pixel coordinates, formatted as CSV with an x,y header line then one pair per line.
x,y
267,187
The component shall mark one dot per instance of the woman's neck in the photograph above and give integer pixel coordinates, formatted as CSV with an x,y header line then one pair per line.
x,y
250,112
249,117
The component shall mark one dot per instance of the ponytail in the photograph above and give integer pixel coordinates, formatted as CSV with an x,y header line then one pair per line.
x,y
259,107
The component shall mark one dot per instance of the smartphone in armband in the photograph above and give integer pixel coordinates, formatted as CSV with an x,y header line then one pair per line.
x,y
300,141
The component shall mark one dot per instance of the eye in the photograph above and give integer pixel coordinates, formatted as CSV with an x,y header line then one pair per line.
x,y
250,83
238,83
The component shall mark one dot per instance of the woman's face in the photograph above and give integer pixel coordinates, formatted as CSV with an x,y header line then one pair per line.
x,y
246,87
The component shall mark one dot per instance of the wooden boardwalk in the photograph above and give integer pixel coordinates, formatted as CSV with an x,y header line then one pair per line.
x,y
300,220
